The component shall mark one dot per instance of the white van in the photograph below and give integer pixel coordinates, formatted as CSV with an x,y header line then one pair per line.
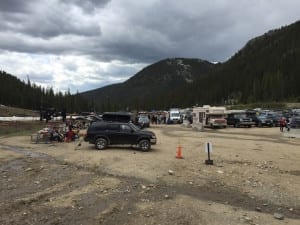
x,y
174,116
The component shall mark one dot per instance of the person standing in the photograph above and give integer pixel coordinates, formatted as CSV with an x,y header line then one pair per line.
x,y
282,123
64,115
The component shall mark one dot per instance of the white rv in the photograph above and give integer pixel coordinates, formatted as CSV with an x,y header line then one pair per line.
x,y
210,116
215,116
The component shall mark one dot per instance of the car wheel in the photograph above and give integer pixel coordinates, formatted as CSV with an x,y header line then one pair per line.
x,y
259,124
237,125
144,145
101,143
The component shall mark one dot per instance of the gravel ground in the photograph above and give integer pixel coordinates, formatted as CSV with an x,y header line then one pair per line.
x,y
254,180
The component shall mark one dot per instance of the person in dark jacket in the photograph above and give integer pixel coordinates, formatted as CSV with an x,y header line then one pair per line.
x,y
64,115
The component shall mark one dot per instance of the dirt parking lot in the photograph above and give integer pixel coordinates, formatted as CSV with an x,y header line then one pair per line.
x,y
255,179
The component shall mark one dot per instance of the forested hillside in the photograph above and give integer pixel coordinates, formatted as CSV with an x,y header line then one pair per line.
x,y
157,86
14,92
266,69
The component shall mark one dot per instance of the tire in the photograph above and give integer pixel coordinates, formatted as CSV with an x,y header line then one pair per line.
x,y
237,125
144,145
259,124
101,143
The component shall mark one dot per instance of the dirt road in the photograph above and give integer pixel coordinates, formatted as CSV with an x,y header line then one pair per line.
x,y
254,180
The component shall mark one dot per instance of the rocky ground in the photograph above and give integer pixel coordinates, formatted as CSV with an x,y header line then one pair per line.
x,y
254,180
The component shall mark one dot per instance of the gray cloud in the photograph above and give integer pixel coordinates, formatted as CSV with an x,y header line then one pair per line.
x,y
47,21
14,6
142,32
135,32
87,5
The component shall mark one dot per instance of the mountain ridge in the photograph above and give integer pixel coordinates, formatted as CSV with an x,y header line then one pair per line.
x,y
153,81
265,69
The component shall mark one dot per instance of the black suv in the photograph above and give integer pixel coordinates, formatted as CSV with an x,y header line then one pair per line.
x,y
104,133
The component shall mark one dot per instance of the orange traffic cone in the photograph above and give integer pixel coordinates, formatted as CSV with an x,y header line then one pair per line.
x,y
178,153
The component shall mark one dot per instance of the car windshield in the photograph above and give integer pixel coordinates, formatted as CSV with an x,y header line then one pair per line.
x,y
262,117
217,116
243,116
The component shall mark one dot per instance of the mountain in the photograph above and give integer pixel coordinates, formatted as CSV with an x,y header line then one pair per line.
x,y
266,69
152,87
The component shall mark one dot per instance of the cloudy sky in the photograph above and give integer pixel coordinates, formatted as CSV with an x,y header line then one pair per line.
x,y
85,44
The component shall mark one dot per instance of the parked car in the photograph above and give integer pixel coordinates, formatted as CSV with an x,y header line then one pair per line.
x,y
253,114
295,121
143,121
265,120
104,133
276,118
239,119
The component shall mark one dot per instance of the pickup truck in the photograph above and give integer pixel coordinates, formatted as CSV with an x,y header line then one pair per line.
x,y
239,120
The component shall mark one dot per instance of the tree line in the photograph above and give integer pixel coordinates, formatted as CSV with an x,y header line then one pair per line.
x,y
17,93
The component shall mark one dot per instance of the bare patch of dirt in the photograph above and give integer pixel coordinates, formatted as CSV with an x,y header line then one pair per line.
x,y
64,183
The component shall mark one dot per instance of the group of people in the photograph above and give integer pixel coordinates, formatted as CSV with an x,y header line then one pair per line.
x,y
61,136
284,123
157,119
